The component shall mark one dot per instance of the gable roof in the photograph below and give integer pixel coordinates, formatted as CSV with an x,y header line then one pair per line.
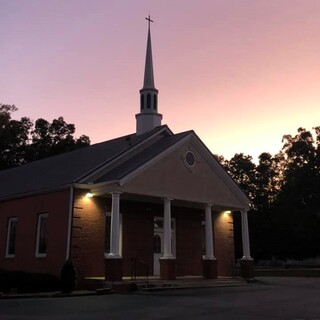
x,y
114,161
68,167
140,158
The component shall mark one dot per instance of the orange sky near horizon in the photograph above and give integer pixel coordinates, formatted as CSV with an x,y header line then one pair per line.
x,y
240,73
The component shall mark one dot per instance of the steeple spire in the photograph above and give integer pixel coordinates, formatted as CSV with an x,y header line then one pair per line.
x,y
148,71
148,118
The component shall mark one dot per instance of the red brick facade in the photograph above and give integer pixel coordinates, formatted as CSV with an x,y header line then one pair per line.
x,y
88,233
26,210
224,243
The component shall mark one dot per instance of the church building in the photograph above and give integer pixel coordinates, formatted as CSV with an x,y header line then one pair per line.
x,y
154,200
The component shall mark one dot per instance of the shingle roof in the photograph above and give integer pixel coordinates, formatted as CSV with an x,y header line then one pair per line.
x,y
65,168
142,157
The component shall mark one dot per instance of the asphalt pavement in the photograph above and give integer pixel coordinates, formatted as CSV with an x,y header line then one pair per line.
x,y
267,298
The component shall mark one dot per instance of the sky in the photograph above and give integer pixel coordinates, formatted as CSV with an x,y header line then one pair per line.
x,y
240,73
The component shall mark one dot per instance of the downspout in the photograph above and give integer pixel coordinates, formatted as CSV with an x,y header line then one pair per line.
x,y
70,222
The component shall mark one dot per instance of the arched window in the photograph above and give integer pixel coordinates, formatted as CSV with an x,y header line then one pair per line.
x,y
148,101
155,101
142,101
157,244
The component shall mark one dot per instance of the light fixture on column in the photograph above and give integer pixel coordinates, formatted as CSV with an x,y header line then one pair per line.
x,y
89,195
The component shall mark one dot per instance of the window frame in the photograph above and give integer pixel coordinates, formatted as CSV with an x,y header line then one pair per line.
x,y
10,220
39,225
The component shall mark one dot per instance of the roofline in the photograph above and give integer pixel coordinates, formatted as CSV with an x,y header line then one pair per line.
x,y
107,163
222,173
152,161
230,183
35,192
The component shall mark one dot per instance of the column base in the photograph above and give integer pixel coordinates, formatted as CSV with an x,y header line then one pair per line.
x,y
246,269
113,269
209,268
168,269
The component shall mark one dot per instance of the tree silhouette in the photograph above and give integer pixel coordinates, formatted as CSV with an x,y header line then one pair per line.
x,y
21,141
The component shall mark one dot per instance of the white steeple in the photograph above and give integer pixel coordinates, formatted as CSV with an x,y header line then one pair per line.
x,y
148,118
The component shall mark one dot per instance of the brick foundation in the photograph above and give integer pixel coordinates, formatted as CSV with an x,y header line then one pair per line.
x,y
210,270
113,269
246,269
168,269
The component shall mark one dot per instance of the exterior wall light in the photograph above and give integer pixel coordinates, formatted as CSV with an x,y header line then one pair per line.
x,y
89,195
227,213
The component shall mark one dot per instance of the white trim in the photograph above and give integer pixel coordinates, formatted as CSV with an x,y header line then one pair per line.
x,y
152,161
70,223
211,160
40,216
84,178
10,220
222,174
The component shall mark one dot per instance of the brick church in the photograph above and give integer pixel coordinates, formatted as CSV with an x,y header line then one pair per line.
x,y
155,199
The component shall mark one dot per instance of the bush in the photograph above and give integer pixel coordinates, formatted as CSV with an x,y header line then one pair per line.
x,y
68,277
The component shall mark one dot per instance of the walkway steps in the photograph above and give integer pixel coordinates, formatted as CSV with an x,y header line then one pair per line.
x,y
184,283
156,284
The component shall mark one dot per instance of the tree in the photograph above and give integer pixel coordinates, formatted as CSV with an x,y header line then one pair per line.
x,y
242,169
284,191
13,137
49,139
298,203
21,141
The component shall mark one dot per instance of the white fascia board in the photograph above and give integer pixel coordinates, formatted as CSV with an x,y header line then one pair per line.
x,y
223,175
86,177
152,161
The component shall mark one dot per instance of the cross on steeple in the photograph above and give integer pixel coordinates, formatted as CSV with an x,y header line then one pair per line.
x,y
149,20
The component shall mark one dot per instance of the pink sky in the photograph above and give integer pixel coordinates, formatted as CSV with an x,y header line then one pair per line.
x,y
241,73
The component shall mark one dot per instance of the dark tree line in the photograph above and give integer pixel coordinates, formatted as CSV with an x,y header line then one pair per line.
x,y
22,141
285,192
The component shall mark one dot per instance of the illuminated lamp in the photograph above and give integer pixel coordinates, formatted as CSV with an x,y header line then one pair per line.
x,y
89,195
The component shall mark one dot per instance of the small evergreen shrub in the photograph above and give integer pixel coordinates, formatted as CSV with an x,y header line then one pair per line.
x,y
68,277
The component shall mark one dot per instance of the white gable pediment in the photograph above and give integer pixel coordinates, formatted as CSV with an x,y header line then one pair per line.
x,y
169,175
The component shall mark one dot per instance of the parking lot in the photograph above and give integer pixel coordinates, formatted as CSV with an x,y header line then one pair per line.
x,y
267,298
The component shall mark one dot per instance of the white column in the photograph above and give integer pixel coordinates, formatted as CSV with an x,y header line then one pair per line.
x,y
115,226
167,252
245,236
208,231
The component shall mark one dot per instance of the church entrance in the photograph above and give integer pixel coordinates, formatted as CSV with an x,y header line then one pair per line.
x,y
158,242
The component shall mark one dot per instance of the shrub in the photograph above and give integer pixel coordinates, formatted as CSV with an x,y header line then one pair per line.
x,y
68,277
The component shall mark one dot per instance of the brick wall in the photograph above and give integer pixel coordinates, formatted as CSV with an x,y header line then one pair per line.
x,y
137,224
88,234
27,209
224,243
189,241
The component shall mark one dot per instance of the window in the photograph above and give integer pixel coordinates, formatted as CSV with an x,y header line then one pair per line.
x,y
142,101
155,101
148,101
190,158
11,238
157,244
42,235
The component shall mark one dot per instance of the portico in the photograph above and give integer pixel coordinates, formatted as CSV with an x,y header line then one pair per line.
x,y
171,250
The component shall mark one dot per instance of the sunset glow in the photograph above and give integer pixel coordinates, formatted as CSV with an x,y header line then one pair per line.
x,y
241,74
